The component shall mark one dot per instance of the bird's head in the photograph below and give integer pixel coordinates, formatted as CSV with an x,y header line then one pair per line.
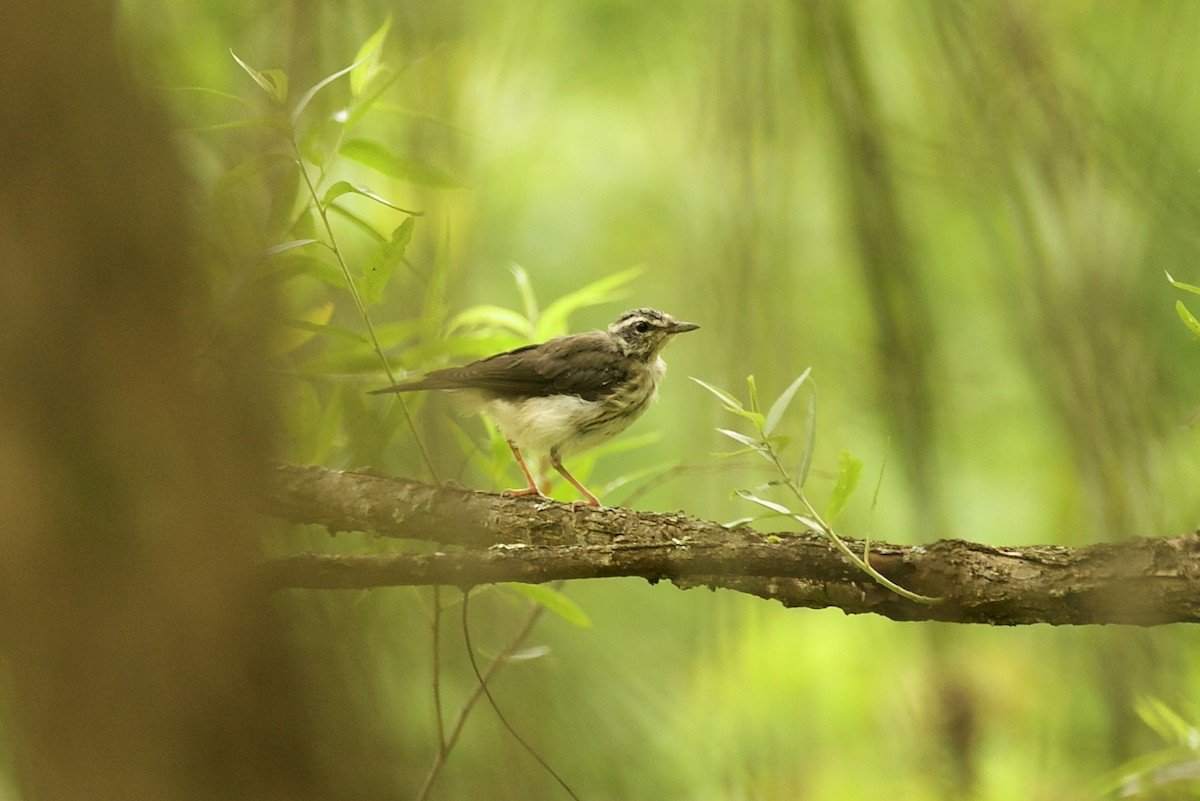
x,y
642,333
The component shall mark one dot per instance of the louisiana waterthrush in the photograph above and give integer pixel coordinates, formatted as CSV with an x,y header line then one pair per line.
x,y
567,394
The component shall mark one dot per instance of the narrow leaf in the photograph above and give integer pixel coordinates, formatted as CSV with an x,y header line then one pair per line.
x,y
780,406
810,440
378,157
485,316
358,222
387,257
749,442
335,191
849,472
553,320
253,122
525,289
321,84
731,403
755,418
774,507
301,331
554,601
367,59
1166,722
527,654
265,83
813,525
1185,287
279,82
286,246
352,116
740,452
1188,318
346,188
205,90
298,262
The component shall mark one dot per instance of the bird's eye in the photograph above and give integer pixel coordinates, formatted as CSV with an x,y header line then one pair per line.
x,y
641,326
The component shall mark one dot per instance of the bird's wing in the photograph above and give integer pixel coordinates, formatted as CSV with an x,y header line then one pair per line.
x,y
587,365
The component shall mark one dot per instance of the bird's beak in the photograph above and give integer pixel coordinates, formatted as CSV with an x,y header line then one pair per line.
x,y
679,328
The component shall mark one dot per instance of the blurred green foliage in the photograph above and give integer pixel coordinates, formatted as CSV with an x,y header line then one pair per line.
x,y
958,214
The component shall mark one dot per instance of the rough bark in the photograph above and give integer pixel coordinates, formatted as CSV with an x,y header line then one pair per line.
x,y
491,538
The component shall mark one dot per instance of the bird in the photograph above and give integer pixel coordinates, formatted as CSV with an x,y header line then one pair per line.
x,y
567,394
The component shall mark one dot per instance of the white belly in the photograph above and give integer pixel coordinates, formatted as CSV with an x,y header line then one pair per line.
x,y
564,422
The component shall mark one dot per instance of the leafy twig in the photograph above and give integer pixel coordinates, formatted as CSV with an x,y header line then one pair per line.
x,y
766,445
275,83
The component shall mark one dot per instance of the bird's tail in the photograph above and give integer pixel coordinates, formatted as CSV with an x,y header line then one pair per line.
x,y
410,386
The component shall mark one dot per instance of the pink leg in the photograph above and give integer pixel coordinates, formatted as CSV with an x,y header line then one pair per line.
x,y
592,500
532,488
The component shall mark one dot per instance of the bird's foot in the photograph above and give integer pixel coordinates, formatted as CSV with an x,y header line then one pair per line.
x,y
593,503
517,493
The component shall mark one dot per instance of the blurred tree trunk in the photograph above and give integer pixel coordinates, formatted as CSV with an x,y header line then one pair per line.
x,y
139,663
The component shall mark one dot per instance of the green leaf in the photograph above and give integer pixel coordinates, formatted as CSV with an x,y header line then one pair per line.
x,y
1185,287
273,82
749,442
358,222
553,320
731,403
318,86
386,258
205,90
525,290
279,80
755,418
1188,318
739,452
527,654
366,104
1166,722
752,388
553,601
491,317
297,263
780,406
286,246
367,59
810,440
849,472
774,507
346,188
378,157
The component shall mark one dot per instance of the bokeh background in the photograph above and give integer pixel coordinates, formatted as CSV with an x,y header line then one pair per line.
x,y
959,215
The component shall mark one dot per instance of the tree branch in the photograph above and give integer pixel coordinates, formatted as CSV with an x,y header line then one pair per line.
x,y
1136,581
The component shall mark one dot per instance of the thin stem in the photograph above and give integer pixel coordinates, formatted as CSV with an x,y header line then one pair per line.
x,y
358,302
460,720
496,708
436,627
811,512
